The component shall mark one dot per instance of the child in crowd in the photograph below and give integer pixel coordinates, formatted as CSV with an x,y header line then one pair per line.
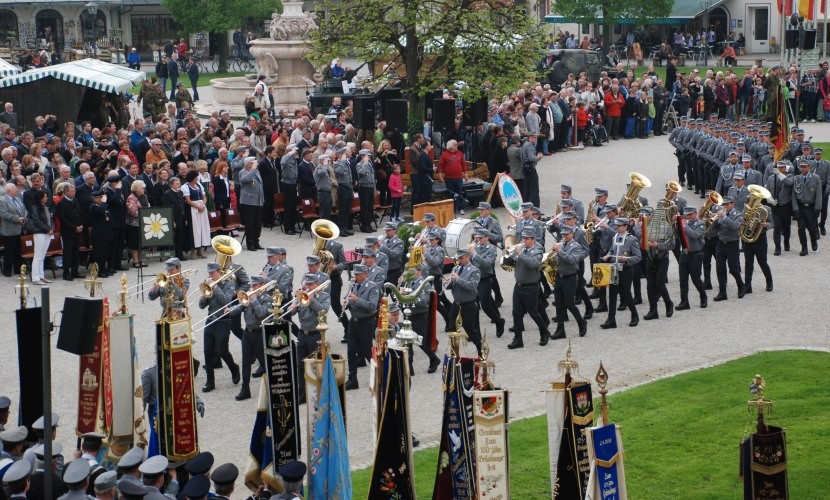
x,y
396,192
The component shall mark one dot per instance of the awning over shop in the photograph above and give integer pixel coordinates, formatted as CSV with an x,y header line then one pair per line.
x,y
90,73
7,69
682,12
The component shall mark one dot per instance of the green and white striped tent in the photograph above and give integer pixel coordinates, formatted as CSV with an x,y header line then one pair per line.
x,y
7,69
90,73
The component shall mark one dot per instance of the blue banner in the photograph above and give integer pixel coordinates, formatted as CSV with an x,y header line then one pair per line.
x,y
329,475
605,453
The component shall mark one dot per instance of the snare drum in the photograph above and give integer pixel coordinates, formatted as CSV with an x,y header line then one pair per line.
x,y
459,234
601,276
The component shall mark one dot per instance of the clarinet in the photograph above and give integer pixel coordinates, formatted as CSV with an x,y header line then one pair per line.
x,y
345,306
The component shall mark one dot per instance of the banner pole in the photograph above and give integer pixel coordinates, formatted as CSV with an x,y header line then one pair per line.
x,y
46,355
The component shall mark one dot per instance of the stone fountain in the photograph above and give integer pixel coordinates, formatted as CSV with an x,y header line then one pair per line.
x,y
281,58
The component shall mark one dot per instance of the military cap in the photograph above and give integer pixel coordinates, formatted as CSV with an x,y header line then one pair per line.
x,y
15,434
91,437
535,210
611,206
172,262
18,471
803,163
728,199
340,151
620,221
131,459
394,308
113,176
360,269
647,210
713,115
312,259
528,233
40,450
38,425
799,131
434,236
292,471
310,278
740,144
684,118
483,205
600,191
568,215
566,229
429,216
76,471
242,149
369,252
746,158
257,279
527,206
689,210
564,188
463,251
197,487
213,266
733,153
200,464
271,251
225,474
131,490
806,145
423,268
738,176
734,135
5,403
765,133
390,226
106,481
480,231
371,240
818,150
566,203
364,152
97,193
5,463
157,464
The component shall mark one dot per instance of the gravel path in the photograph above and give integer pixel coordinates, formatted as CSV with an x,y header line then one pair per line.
x,y
632,356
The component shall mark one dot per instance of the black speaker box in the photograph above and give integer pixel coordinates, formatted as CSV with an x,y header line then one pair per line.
x,y
429,101
386,94
791,39
79,324
363,112
475,112
809,40
30,366
397,111
443,114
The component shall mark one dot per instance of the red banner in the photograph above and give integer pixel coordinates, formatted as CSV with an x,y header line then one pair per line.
x,y
89,385
107,363
184,414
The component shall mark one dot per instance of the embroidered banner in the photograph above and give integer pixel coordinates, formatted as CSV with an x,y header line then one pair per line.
x,y
491,444
605,452
764,465
281,373
177,401
313,372
90,386
573,465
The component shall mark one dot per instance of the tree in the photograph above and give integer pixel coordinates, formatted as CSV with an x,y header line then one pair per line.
x,y
433,43
219,16
608,12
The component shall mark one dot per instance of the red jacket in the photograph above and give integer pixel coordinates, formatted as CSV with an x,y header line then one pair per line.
x,y
396,185
452,165
613,107
581,118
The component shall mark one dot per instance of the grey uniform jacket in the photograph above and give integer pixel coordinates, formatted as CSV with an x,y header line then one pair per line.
x,y
625,245
465,287
729,226
377,275
485,260
727,171
570,255
289,169
529,154
382,261
807,191
321,178
741,196
421,306
321,301
256,311
527,264
537,226
366,304
250,191
822,169
343,173
694,235
284,275
781,189
241,280
75,495
365,175
153,294
222,294
393,248
752,176
434,256
436,229
493,226
10,215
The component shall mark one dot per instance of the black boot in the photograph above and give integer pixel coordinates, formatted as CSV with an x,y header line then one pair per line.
x,y
651,314
669,309
720,296
684,303
623,306
609,323
500,327
707,285
704,300
517,342
235,374
747,288
352,384
209,384
602,307
583,328
741,291
589,311
543,338
434,363
559,333
635,320
244,393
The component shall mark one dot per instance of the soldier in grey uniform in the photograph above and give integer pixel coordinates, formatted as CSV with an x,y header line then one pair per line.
x,y
174,308
821,168
538,226
17,478
36,480
5,403
751,176
528,222
270,271
345,185
217,334
288,187
728,222
366,189
153,475
308,337
570,219
322,181
604,233
313,263
363,300
595,249
128,466
486,221
382,261
432,227
434,256
656,271
570,254
392,248
566,192
280,272
807,205
780,185
463,284
727,173
252,348
483,256
691,259
376,273
767,162
624,252
739,192
339,265
420,314
526,259
76,478
241,283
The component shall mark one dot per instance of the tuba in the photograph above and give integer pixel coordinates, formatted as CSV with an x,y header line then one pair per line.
x,y
755,214
225,247
672,188
658,226
714,198
549,263
629,206
324,230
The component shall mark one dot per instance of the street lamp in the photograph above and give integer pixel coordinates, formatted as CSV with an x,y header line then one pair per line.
x,y
92,8
705,6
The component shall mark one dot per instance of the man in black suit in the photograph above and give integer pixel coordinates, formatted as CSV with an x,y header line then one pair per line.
x,y
118,220
83,194
9,117
173,198
305,175
99,220
144,146
268,171
72,228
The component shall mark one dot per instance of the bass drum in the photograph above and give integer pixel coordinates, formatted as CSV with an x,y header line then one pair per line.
x,y
459,235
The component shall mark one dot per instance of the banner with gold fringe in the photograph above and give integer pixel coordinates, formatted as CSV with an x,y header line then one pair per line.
x,y
492,444
764,465
177,427
573,466
94,407
605,454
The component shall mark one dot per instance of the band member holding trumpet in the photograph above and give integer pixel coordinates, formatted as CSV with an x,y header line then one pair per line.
x,y
625,253
254,309
496,238
392,247
217,333
691,259
179,287
572,219
434,257
420,315
483,256
308,337
526,259
728,222
463,283
432,227
241,283
780,184
570,255
362,300
567,195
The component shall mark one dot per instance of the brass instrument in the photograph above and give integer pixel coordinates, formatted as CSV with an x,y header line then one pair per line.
x,y
446,281
303,298
245,298
206,288
672,188
225,247
323,231
510,243
549,262
714,198
408,298
755,214
589,226
629,205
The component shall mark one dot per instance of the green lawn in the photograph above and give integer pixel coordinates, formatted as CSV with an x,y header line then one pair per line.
x,y
687,69
681,434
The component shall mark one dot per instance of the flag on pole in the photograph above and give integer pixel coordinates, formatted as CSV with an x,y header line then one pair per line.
x,y
329,475
260,466
780,130
788,7
806,8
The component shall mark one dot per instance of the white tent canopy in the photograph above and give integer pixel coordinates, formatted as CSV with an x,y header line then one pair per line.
x,y
7,69
90,73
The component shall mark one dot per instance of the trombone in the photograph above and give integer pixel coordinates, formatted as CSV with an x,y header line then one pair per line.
x,y
302,298
162,279
206,287
244,298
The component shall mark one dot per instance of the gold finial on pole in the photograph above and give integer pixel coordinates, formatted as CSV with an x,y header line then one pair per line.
x,y
568,365
122,295
22,289
382,333
322,327
602,381
762,405
485,366
456,337
92,282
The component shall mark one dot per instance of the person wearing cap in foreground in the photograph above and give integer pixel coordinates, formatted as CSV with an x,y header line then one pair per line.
x,y
570,255
99,221
780,185
691,259
526,259
420,314
463,284
821,168
197,488
392,247
252,349
292,474
174,308
217,333
5,403
483,256
105,486
807,204
496,238
308,338
567,194
76,477
153,476
362,302
624,253
128,466
223,478
16,479
130,491
727,173
739,192
434,258
728,223
13,441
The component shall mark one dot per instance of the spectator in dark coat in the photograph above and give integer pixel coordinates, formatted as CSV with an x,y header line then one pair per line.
x,y
193,75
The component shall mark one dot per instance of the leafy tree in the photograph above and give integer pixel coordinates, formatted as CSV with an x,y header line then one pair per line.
x,y
433,43
219,17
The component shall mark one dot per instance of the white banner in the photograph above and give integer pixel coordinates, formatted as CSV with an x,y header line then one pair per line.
x,y
556,423
492,458
129,425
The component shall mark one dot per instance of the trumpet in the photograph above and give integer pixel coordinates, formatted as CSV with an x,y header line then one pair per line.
x,y
206,288
446,281
162,279
245,298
